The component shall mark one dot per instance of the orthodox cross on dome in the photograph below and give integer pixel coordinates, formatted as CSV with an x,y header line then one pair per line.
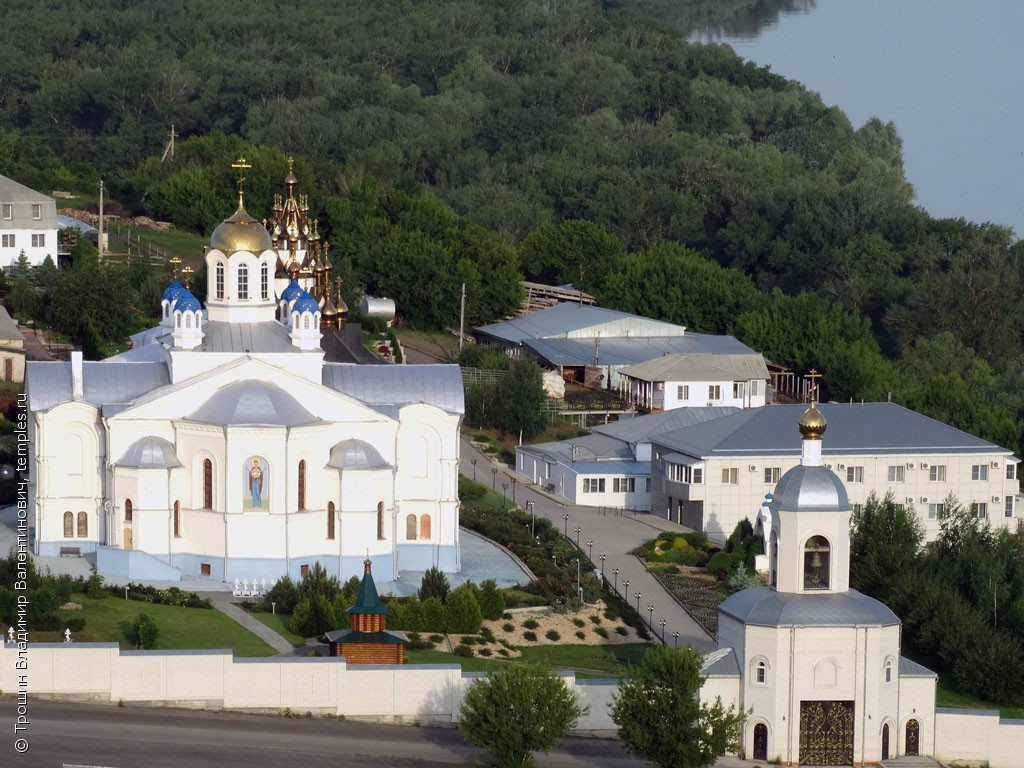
x,y
186,274
241,166
174,262
813,391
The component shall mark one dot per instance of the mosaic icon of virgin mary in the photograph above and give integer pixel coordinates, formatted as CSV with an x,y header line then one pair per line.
x,y
256,478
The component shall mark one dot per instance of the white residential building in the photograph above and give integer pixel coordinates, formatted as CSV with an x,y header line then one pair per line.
x,y
28,224
696,380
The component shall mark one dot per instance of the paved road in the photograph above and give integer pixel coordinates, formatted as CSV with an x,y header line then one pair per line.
x,y
125,737
614,537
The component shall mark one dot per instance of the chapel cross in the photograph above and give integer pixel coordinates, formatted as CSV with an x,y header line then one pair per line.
x,y
813,392
241,166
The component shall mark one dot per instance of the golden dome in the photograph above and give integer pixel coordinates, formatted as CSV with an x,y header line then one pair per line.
x,y
240,232
812,424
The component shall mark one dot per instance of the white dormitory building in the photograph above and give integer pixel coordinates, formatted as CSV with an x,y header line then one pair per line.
x,y
223,445
715,469
28,224
696,380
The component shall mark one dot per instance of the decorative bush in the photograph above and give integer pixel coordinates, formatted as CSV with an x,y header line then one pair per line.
x,y
485,651
530,624
486,635
595,619
621,630
506,616
492,604
579,622
581,634
463,610
720,565
434,584
530,637
601,632
502,652
508,627
435,639
464,650
552,635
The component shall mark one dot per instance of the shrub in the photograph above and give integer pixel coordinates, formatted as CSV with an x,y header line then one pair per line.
x,y
417,643
492,604
579,622
94,587
463,610
464,650
530,636
506,616
621,630
508,627
502,652
469,640
285,594
46,622
487,635
313,616
601,632
435,615
595,619
581,634
552,635
485,651
75,623
611,611
720,565
470,490
144,632
435,639
672,569
530,624
434,584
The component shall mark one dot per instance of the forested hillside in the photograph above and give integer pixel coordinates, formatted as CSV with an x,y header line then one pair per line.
x,y
565,140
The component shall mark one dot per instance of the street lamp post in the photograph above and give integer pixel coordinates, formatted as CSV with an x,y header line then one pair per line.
x,y
675,639
504,497
663,623
650,616
638,595
473,462
602,558
565,517
577,529
494,478
615,573
533,520
515,482
579,588
625,588
590,551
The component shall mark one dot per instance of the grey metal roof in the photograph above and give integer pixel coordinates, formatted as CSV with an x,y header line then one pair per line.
x,y
630,350
810,489
49,384
700,366
151,352
388,387
908,668
588,448
356,454
8,328
858,428
568,318
721,663
764,607
150,453
640,429
252,402
69,222
12,191
269,336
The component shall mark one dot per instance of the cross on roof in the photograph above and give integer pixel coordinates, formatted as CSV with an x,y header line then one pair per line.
x,y
241,166
813,392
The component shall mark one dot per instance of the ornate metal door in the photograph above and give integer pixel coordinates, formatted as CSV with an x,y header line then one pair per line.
x,y
760,742
826,733
913,736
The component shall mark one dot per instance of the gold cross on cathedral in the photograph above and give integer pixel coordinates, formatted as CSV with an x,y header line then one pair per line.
x,y
241,166
175,263
813,391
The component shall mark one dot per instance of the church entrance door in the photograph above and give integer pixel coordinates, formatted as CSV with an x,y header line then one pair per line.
x,y
885,741
128,538
913,736
760,741
826,733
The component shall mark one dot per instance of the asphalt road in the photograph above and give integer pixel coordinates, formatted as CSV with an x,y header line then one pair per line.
x,y
103,736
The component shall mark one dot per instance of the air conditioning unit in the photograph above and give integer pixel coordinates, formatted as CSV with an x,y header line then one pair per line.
x,y
924,499
828,466
910,465
841,466
753,468
995,465
910,499
924,465
995,499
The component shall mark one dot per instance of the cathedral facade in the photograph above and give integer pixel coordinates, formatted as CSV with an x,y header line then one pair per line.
x,y
816,664
223,445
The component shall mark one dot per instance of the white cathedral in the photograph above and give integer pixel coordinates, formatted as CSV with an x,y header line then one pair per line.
x,y
224,445
817,664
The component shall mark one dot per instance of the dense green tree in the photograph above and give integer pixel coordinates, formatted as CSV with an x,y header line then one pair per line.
x,y
317,582
517,711
434,584
464,615
885,538
315,615
521,397
661,718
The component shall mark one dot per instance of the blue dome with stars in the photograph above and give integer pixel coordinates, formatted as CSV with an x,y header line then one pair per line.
x,y
305,303
291,291
174,291
187,302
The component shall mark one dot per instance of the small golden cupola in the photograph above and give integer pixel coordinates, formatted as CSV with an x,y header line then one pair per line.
x,y
812,425
240,231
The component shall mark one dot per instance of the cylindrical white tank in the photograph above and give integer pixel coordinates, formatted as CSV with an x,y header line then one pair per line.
x,y
371,307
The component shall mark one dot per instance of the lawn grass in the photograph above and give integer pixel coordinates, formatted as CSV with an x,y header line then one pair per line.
x,y
588,661
280,623
179,628
468,664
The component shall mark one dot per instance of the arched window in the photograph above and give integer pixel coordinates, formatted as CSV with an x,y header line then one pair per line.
x,y
127,510
410,528
207,484
243,282
305,321
302,484
761,672
888,671
83,525
774,559
218,285
380,519
264,282
425,527
816,563
177,319
330,519
177,519
188,319
69,525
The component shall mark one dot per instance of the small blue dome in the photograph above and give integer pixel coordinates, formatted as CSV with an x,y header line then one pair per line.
x,y
305,303
291,291
187,302
174,291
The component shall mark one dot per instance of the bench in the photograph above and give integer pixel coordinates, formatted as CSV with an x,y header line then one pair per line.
x,y
70,551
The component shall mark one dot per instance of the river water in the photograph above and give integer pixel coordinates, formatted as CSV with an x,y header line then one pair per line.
x,y
950,75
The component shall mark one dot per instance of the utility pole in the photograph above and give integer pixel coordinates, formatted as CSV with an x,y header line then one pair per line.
x,y
99,242
169,147
462,316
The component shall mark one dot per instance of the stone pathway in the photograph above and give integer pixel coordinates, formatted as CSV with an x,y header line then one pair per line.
x,y
222,601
